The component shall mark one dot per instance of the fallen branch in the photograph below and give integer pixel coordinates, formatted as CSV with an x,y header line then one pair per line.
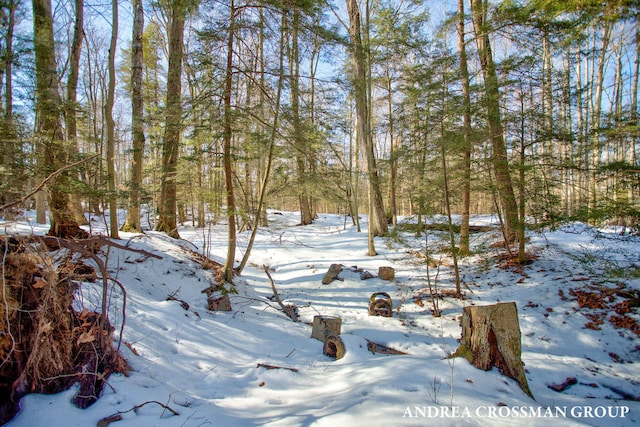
x,y
289,310
266,366
118,415
105,241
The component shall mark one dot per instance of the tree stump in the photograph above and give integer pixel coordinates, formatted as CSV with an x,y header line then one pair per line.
x,y
334,347
332,274
325,326
491,337
386,273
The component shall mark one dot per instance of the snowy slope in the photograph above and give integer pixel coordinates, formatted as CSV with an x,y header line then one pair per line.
x,y
204,365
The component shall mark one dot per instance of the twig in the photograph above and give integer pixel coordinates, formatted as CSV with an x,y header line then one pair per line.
x,y
46,180
288,310
117,416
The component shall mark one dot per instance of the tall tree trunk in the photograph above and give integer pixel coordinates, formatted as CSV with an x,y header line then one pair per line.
x,y
302,151
11,186
173,127
111,126
494,117
466,135
393,154
137,119
447,198
71,103
354,182
50,135
596,145
377,220
226,152
635,136
274,132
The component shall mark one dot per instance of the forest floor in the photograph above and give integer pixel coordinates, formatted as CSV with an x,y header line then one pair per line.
x,y
577,303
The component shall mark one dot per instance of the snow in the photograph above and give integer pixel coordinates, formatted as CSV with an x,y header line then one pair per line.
x,y
204,365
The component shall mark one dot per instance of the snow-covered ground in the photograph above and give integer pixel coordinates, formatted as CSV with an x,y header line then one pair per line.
x,y
204,365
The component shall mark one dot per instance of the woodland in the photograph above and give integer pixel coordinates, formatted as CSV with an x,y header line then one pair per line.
x,y
207,113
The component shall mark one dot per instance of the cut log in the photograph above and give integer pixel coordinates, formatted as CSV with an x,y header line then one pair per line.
x,y
386,273
334,347
380,304
491,337
332,274
325,326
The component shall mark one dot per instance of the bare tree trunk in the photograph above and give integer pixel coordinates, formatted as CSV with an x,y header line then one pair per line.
x,y
447,198
111,170
466,99
171,141
492,101
377,219
272,143
596,145
227,160
634,109
393,155
302,151
354,181
137,119
71,103
50,135
11,183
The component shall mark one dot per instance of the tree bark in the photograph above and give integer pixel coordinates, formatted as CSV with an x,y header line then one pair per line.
x,y
173,128
491,337
50,135
111,143
466,135
302,151
377,219
71,102
492,101
226,153
325,326
137,119
11,185
596,145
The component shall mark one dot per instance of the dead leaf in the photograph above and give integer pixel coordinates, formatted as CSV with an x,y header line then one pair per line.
x,y
85,338
39,283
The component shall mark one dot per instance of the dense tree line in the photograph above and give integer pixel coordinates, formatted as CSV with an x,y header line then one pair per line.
x,y
202,111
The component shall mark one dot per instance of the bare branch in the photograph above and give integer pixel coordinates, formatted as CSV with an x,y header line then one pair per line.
x,y
287,309
45,181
